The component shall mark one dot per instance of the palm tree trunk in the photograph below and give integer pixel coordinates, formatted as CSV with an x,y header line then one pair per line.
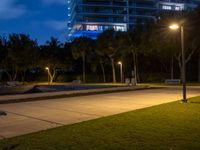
x,y
15,75
103,72
135,66
138,76
113,70
23,76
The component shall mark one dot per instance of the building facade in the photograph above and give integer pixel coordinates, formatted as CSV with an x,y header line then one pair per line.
x,y
91,17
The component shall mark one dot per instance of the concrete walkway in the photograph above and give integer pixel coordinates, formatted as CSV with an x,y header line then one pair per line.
x,y
28,117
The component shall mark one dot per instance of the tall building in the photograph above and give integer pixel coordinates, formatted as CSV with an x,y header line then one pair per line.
x,y
177,5
91,17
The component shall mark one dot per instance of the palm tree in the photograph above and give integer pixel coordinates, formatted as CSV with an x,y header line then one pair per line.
x,y
96,58
107,44
101,58
80,47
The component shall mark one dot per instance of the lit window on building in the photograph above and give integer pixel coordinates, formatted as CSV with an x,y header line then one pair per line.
x,y
91,27
177,8
119,28
167,7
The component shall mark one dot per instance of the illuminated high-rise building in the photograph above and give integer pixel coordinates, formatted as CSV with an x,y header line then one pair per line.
x,y
91,17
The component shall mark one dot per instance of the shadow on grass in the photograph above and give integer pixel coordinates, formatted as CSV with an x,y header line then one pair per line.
x,y
11,147
195,102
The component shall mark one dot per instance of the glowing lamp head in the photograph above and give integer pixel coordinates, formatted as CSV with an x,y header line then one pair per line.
x,y
47,68
174,26
119,63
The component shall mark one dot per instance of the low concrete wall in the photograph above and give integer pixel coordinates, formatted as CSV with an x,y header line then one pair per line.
x,y
61,94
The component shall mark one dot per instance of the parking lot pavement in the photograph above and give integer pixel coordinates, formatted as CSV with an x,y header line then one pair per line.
x,y
28,117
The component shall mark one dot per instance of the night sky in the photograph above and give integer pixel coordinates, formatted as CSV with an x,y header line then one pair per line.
x,y
41,19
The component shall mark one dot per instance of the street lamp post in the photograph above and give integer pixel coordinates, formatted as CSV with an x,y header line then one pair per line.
x,y
183,69
47,68
183,66
121,70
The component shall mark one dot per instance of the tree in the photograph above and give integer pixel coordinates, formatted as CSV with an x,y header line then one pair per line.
x,y
98,58
167,45
70,62
132,45
193,20
3,51
52,58
108,44
80,48
164,45
20,55
3,54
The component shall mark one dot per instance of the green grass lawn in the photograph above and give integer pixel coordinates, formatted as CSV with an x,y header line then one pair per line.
x,y
172,126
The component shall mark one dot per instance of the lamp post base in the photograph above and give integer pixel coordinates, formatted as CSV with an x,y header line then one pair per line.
x,y
184,101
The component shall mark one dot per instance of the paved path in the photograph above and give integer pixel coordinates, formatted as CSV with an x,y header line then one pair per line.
x,y
28,117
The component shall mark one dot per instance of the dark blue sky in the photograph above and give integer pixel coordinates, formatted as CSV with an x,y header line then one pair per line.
x,y
41,19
